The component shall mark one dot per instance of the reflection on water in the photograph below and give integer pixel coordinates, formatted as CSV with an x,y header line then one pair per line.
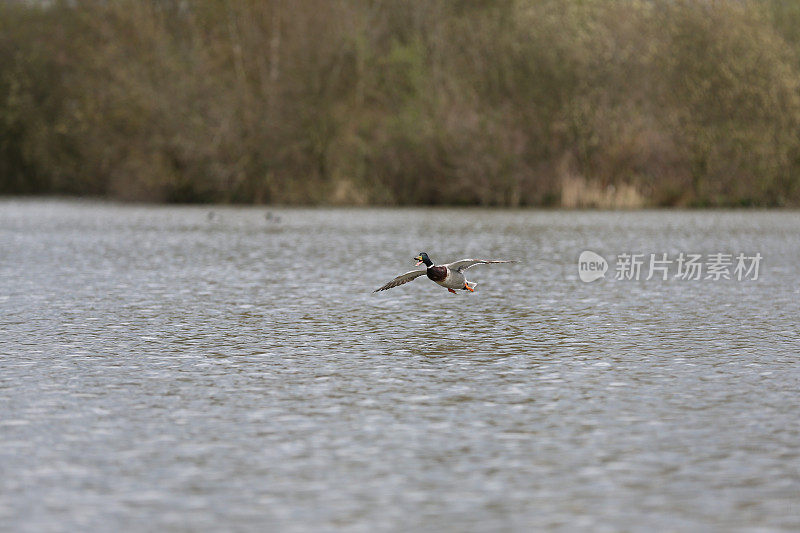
x,y
167,369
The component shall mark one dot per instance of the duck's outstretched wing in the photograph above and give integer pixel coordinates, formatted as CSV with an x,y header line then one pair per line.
x,y
464,264
402,278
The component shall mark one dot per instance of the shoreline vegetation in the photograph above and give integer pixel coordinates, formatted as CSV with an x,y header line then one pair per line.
x,y
597,103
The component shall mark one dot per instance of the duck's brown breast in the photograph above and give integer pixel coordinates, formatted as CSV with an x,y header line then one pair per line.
x,y
437,273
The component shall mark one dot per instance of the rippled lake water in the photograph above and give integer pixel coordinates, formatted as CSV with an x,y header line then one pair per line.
x,y
206,368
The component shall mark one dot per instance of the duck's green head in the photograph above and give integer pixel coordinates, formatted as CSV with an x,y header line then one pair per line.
x,y
423,258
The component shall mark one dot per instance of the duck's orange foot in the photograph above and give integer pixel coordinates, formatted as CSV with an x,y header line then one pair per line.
x,y
451,290
470,289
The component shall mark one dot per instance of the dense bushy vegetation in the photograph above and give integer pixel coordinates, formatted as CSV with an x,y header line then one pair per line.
x,y
509,102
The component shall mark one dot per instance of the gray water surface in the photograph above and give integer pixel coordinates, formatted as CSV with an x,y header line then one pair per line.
x,y
221,369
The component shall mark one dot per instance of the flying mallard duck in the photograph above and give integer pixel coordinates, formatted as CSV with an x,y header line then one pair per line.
x,y
450,276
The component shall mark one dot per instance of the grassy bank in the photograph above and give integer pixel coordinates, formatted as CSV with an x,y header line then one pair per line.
x,y
610,103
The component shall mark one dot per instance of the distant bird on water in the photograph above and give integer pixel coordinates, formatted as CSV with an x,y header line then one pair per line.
x,y
449,276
